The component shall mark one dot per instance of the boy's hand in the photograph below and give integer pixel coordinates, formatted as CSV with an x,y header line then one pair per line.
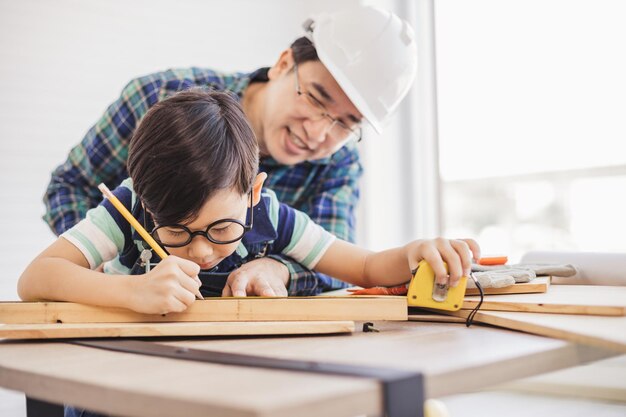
x,y
457,253
264,276
171,286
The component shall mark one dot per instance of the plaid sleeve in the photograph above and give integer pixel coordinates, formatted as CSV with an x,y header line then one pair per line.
x,y
332,206
101,155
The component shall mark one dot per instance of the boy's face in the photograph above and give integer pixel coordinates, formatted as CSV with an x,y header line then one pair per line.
x,y
225,204
293,128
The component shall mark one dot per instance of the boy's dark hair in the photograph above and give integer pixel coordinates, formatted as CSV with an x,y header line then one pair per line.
x,y
304,50
186,148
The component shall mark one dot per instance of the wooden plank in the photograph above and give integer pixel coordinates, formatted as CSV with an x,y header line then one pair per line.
x,y
435,318
608,332
537,285
561,299
432,316
602,380
215,310
87,330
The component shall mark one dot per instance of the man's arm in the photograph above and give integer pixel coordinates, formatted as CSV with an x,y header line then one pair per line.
x,y
99,157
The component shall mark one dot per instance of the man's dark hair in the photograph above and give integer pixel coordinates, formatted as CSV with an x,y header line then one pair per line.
x,y
188,147
304,50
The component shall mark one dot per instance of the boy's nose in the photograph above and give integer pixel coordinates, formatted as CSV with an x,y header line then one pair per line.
x,y
200,248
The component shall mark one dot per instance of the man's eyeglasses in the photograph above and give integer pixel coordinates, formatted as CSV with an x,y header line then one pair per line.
x,y
220,232
337,130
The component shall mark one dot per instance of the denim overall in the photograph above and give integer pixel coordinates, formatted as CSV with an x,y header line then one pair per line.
x,y
214,279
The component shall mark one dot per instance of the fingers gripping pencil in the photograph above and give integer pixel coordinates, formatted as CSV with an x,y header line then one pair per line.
x,y
133,222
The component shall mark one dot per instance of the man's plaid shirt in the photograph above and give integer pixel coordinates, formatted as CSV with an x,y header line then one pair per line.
x,y
325,189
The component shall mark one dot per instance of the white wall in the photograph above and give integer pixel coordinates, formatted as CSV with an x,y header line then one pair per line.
x,y
63,62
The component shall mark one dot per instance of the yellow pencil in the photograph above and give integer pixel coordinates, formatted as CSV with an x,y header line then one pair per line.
x,y
133,222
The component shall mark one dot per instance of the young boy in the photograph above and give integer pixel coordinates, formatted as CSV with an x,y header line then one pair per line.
x,y
193,183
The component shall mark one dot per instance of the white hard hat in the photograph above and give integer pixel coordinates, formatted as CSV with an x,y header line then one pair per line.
x,y
372,55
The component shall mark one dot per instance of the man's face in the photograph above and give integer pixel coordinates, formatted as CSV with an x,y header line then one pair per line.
x,y
295,127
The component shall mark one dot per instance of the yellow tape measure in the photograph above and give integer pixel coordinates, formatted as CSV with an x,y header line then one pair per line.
x,y
421,290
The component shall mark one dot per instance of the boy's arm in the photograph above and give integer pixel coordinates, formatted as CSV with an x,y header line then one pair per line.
x,y
61,273
393,267
66,270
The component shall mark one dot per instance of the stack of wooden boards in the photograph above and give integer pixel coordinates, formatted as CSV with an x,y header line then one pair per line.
x,y
588,314
594,315
210,317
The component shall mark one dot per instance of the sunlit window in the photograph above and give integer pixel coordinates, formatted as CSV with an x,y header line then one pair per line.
x,y
532,123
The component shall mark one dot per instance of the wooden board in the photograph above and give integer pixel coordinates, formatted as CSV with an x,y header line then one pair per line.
x,y
215,309
418,314
539,284
87,330
561,299
602,331
603,380
434,318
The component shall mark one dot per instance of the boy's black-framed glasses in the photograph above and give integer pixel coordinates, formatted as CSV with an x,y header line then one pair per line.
x,y
220,232
337,130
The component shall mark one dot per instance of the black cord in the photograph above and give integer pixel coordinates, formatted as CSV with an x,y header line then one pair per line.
x,y
470,317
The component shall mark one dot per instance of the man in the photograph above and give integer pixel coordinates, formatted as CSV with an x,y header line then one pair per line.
x,y
306,112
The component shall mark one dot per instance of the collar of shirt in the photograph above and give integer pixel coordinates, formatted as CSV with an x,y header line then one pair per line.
x,y
239,82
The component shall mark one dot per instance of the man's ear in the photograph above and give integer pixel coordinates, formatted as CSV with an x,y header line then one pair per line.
x,y
257,186
282,66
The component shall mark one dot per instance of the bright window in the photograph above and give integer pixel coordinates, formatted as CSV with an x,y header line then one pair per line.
x,y
532,123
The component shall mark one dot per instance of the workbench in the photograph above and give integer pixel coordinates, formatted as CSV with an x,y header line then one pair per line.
x,y
451,357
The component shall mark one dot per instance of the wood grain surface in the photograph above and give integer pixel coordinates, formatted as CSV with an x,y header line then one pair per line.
x,y
215,309
88,330
560,299
602,331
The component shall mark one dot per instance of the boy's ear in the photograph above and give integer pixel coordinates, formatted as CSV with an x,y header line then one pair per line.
x,y
257,186
282,66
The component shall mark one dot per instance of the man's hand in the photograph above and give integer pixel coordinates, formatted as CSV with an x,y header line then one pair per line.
x,y
264,276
